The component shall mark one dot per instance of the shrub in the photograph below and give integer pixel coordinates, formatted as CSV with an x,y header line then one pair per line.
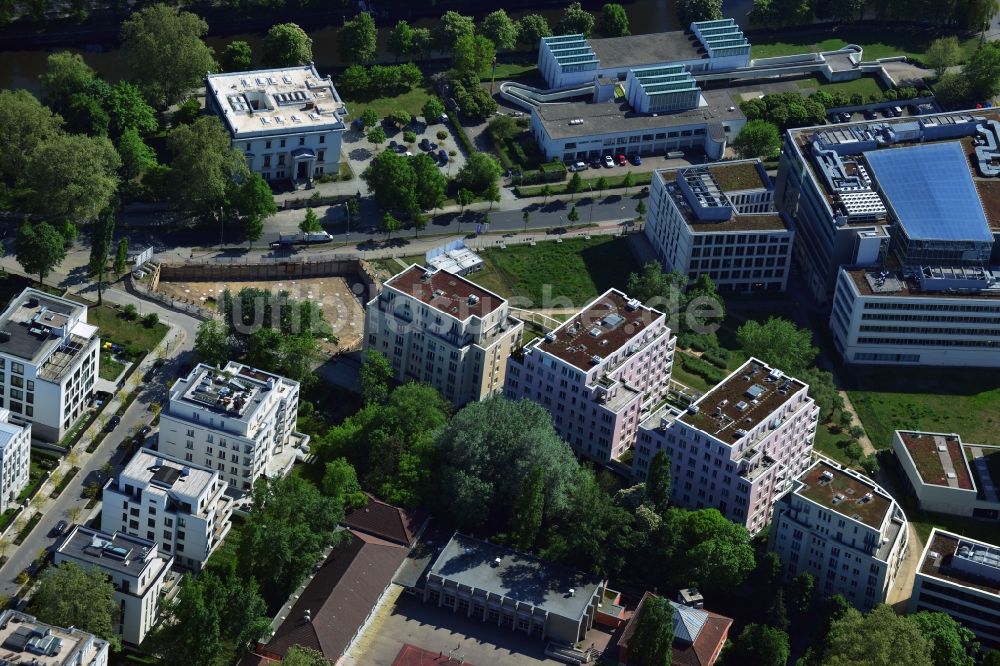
x,y
717,356
442,135
452,153
151,320
130,313
696,366
409,137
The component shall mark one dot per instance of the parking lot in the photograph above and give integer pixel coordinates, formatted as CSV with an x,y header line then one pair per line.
x,y
896,111
360,151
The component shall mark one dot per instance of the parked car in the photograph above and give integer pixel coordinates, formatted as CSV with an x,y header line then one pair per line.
x,y
621,160
870,114
358,125
443,156
635,159
595,163
579,166
145,430
898,110
393,145
888,113
846,117
60,528
112,423
149,375
609,162
427,145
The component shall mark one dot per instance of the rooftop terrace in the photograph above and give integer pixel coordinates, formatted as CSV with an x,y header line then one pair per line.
x,y
742,401
36,323
978,566
118,552
939,459
167,475
447,293
702,196
603,327
848,495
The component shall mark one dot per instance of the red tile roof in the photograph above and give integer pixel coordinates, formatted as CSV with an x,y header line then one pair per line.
x,y
386,521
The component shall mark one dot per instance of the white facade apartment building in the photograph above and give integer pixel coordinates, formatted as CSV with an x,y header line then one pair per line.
x,y
961,577
736,448
181,506
15,458
719,220
939,316
288,122
843,529
442,329
135,568
235,420
25,640
48,362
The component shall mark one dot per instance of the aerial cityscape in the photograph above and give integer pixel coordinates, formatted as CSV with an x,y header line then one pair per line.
x,y
429,334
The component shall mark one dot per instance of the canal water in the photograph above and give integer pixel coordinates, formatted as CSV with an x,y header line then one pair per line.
x,y
21,69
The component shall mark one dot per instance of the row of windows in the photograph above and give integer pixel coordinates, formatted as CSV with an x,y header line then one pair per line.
x,y
987,344
742,239
927,330
281,143
931,307
929,318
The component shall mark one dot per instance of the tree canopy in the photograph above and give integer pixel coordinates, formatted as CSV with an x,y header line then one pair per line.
x,y
779,343
301,656
287,45
237,56
71,596
73,177
24,124
576,20
531,28
204,166
480,171
758,138
66,74
40,248
499,29
613,20
358,39
880,638
449,28
760,645
165,53
698,10
652,641
472,55
400,41
374,377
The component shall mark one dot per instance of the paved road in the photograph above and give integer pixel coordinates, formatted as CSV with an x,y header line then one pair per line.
x,y
180,340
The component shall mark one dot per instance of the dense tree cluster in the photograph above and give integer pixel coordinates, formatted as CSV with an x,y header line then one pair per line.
x,y
379,80
406,185
959,14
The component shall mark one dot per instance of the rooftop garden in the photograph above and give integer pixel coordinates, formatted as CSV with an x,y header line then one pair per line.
x,y
927,459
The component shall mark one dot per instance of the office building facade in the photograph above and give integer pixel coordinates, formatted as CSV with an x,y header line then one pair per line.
x,y
15,459
597,373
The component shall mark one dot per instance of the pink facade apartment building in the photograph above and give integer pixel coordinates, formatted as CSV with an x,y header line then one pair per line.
x,y
738,447
597,373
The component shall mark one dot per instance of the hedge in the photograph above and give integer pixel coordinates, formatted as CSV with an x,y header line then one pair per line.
x,y
717,356
696,366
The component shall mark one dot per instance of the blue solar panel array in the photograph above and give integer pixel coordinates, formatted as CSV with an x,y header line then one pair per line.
x,y
931,190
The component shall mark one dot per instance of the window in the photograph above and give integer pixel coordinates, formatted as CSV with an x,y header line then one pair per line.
x,y
302,141
322,138
17,368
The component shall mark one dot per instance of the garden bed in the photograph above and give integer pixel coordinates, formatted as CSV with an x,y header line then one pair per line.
x,y
63,482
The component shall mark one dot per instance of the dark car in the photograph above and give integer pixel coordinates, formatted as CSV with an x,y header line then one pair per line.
x,y
635,159
112,423
443,156
870,114
60,528
144,431
596,163
149,375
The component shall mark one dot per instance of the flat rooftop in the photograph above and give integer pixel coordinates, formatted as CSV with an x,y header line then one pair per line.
x,y
649,49
167,475
942,559
524,578
939,459
712,184
25,640
236,391
617,117
122,553
848,495
604,326
447,293
875,282
275,101
742,401
930,189
34,323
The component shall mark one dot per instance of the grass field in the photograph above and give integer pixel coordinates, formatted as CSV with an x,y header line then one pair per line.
x,y
640,179
966,401
110,368
114,328
511,70
866,85
411,101
875,43
552,274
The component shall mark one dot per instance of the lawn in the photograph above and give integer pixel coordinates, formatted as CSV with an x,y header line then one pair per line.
x,y
866,85
114,328
36,474
552,274
875,43
110,367
411,101
511,70
965,401
639,179
829,443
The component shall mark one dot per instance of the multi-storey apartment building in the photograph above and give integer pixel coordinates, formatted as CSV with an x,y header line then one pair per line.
x,y
15,456
947,316
180,505
25,640
597,373
287,122
947,475
235,420
135,568
961,577
439,328
737,447
719,220
48,362
844,530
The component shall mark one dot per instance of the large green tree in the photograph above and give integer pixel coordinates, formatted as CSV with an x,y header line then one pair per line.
x,y
165,53
710,552
479,173
211,344
658,482
485,452
287,45
101,235
431,184
237,56
449,28
204,166
391,179
779,343
400,42
73,177
127,109
500,29
698,10
250,201
529,506
951,643
652,641
613,20
24,124
758,138
880,638
301,656
340,480
71,596
760,645
374,377
576,20
472,55
531,28
358,39
290,524
65,75
40,248
982,71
